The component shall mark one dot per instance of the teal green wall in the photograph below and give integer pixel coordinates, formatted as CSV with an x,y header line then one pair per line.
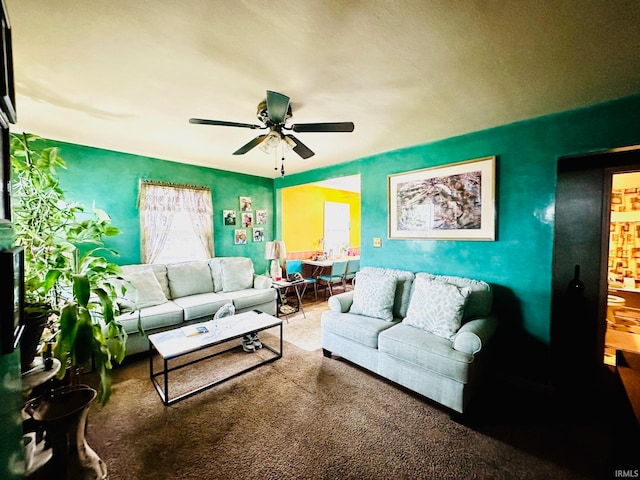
x,y
12,465
519,262
110,180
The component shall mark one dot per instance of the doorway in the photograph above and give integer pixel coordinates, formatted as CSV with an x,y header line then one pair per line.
x,y
623,274
303,217
581,237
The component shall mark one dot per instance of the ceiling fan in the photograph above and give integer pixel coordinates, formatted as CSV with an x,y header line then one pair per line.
x,y
275,113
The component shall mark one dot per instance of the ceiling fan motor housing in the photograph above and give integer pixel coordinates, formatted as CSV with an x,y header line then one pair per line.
x,y
263,114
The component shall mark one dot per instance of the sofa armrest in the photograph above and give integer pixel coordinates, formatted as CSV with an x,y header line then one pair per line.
x,y
341,302
261,282
474,334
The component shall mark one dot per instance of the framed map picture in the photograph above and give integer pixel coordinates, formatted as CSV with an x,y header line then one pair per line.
x,y
452,202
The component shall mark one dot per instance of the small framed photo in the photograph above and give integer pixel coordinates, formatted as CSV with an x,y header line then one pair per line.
x,y
229,217
240,237
245,204
258,234
247,220
261,217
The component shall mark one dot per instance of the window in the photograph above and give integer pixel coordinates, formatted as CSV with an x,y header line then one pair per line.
x,y
176,222
337,223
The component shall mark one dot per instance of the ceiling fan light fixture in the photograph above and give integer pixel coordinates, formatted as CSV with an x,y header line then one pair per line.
x,y
289,143
271,142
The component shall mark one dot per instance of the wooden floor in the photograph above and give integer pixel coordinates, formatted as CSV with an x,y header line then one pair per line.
x,y
621,336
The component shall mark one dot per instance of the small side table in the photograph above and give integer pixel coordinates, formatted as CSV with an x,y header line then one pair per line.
x,y
282,286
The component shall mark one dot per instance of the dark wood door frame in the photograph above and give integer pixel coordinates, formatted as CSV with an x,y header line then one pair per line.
x,y
581,236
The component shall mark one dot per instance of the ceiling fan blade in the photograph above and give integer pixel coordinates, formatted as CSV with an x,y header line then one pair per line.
x,y
277,106
300,148
253,143
222,123
324,127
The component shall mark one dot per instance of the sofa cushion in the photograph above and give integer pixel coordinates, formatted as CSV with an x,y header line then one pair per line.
x,y
215,265
200,305
189,278
437,307
425,350
364,330
480,300
251,297
158,316
142,289
237,273
403,287
373,296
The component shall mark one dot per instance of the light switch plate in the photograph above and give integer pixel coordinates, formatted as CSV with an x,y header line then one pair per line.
x,y
377,242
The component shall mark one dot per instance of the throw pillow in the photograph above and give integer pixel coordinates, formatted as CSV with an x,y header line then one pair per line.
x,y
437,307
404,279
373,296
143,290
189,278
237,274
480,298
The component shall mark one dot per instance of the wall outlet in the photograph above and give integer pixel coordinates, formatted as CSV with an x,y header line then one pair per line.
x,y
377,242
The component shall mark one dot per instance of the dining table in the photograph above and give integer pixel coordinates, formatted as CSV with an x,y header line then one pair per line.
x,y
314,268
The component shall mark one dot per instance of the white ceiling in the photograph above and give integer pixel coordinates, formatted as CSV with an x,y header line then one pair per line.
x,y
127,75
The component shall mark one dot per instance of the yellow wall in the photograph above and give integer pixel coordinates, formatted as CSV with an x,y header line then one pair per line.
x,y
303,215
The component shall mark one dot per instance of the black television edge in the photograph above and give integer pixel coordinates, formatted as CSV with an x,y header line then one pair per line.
x,y
11,298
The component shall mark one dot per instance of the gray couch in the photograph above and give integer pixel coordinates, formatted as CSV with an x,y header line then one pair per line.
x,y
428,333
165,296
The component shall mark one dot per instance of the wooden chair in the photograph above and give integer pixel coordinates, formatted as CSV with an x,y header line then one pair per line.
x,y
338,270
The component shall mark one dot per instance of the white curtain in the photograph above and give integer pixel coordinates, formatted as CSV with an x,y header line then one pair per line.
x,y
158,203
198,204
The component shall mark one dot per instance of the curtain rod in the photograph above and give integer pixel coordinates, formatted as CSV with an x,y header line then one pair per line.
x,y
171,184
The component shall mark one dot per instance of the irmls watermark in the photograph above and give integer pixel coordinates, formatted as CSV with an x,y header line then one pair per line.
x,y
627,473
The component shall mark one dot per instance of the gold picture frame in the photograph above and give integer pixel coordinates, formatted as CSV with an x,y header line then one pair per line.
x,y
450,202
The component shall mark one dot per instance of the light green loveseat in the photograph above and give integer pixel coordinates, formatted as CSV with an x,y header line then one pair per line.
x,y
387,324
169,295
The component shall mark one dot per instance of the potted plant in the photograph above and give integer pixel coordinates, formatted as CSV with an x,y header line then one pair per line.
x,y
68,277
40,216
70,281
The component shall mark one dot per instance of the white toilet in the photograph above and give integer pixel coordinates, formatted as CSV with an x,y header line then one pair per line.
x,y
613,302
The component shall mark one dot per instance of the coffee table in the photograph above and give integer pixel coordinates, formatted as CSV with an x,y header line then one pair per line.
x,y
175,344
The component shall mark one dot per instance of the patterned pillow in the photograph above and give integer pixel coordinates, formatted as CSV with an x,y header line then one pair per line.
x,y
143,290
373,296
437,307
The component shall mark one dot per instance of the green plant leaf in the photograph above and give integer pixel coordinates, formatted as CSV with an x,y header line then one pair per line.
x,y
81,289
83,344
50,280
107,305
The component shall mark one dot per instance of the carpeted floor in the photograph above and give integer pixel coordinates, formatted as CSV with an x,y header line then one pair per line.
x,y
306,416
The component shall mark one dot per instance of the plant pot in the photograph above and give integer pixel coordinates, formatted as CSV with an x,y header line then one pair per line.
x,y
63,416
33,327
